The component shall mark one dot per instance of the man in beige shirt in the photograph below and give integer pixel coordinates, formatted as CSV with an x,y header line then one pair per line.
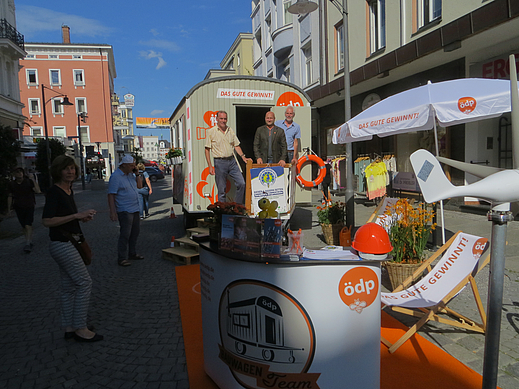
x,y
222,141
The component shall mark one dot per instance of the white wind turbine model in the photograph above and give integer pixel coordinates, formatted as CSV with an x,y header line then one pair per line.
x,y
500,187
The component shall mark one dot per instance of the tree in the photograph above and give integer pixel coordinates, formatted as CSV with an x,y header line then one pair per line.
x,y
10,149
56,149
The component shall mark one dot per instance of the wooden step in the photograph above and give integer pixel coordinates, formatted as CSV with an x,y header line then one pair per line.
x,y
203,223
179,254
197,230
186,242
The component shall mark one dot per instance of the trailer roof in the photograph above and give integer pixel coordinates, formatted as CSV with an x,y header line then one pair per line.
x,y
227,78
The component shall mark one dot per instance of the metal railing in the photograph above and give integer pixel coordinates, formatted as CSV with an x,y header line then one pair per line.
x,y
9,32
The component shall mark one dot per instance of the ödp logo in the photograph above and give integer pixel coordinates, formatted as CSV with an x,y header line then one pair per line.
x,y
358,288
467,104
479,247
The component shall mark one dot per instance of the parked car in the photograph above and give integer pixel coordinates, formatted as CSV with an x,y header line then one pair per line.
x,y
155,173
150,163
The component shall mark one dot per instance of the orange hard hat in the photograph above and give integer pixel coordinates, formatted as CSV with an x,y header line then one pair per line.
x,y
373,239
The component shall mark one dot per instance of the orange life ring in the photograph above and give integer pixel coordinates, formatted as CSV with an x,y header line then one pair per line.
x,y
322,170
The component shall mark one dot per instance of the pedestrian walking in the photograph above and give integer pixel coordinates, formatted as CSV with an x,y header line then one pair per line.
x,y
61,216
144,192
123,201
21,198
222,141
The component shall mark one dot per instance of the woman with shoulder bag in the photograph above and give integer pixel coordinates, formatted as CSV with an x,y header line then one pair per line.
x,y
61,216
145,191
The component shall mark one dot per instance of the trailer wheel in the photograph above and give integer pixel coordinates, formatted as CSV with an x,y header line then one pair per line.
x,y
267,355
240,348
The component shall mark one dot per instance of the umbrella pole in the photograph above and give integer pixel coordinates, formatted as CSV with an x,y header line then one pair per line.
x,y
441,201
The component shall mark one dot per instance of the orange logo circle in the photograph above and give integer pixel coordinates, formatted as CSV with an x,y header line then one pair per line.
x,y
289,98
479,246
358,288
467,104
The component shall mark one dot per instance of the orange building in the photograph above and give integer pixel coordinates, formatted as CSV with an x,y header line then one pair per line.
x,y
85,74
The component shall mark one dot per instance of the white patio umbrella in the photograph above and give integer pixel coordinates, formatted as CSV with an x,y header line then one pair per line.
x,y
450,102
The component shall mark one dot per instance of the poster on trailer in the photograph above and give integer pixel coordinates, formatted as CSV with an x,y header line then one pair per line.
x,y
269,182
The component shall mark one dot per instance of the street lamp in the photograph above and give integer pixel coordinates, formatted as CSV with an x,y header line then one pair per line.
x,y
81,117
349,197
64,102
303,7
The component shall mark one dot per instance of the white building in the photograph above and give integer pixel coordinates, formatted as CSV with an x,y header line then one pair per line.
x,y
393,46
149,147
12,49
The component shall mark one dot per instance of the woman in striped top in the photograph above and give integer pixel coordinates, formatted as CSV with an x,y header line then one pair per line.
x,y
61,216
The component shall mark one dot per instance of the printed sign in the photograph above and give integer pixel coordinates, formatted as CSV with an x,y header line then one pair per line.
x,y
267,339
268,182
457,262
405,181
248,94
152,122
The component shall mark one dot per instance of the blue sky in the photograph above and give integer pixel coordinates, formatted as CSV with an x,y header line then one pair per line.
x,y
162,48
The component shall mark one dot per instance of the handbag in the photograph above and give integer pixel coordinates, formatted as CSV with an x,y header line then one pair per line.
x,y
81,245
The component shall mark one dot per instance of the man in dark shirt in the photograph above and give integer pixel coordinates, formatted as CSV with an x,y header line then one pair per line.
x,y
270,145
21,198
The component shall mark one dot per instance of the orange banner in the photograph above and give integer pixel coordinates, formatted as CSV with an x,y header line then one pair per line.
x,y
152,122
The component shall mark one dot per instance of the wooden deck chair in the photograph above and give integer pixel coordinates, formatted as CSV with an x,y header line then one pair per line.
x,y
462,260
378,214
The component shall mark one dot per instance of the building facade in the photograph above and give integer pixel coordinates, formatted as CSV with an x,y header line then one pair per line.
x,y
237,60
12,49
85,74
391,48
123,126
149,147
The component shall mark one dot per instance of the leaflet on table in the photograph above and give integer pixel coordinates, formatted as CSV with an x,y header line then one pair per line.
x,y
271,244
227,234
330,255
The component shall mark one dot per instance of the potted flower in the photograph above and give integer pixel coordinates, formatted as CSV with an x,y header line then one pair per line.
x,y
175,154
409,229
223,208
331,218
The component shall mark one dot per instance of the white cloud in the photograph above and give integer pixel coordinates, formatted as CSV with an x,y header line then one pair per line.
x,y
161,44
31,19
154,32
153,54
156,112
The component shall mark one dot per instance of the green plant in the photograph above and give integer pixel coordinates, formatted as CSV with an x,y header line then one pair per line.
x,y
172,153
56,149
226,208
409,230
10,148
331,213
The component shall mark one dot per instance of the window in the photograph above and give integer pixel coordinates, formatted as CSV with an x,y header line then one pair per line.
x,y
53,56
287,16
268,32
57,108
32,77
286,72
34,106
85,136
428,11
79,77
29,56
307,53
76,56
377,25
55,77
36,131
60,131
339,47
81,105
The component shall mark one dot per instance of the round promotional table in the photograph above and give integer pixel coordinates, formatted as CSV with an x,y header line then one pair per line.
x,y
284,324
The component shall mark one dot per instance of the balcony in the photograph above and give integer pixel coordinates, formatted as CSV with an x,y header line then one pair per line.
x,y
282,41
10,33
